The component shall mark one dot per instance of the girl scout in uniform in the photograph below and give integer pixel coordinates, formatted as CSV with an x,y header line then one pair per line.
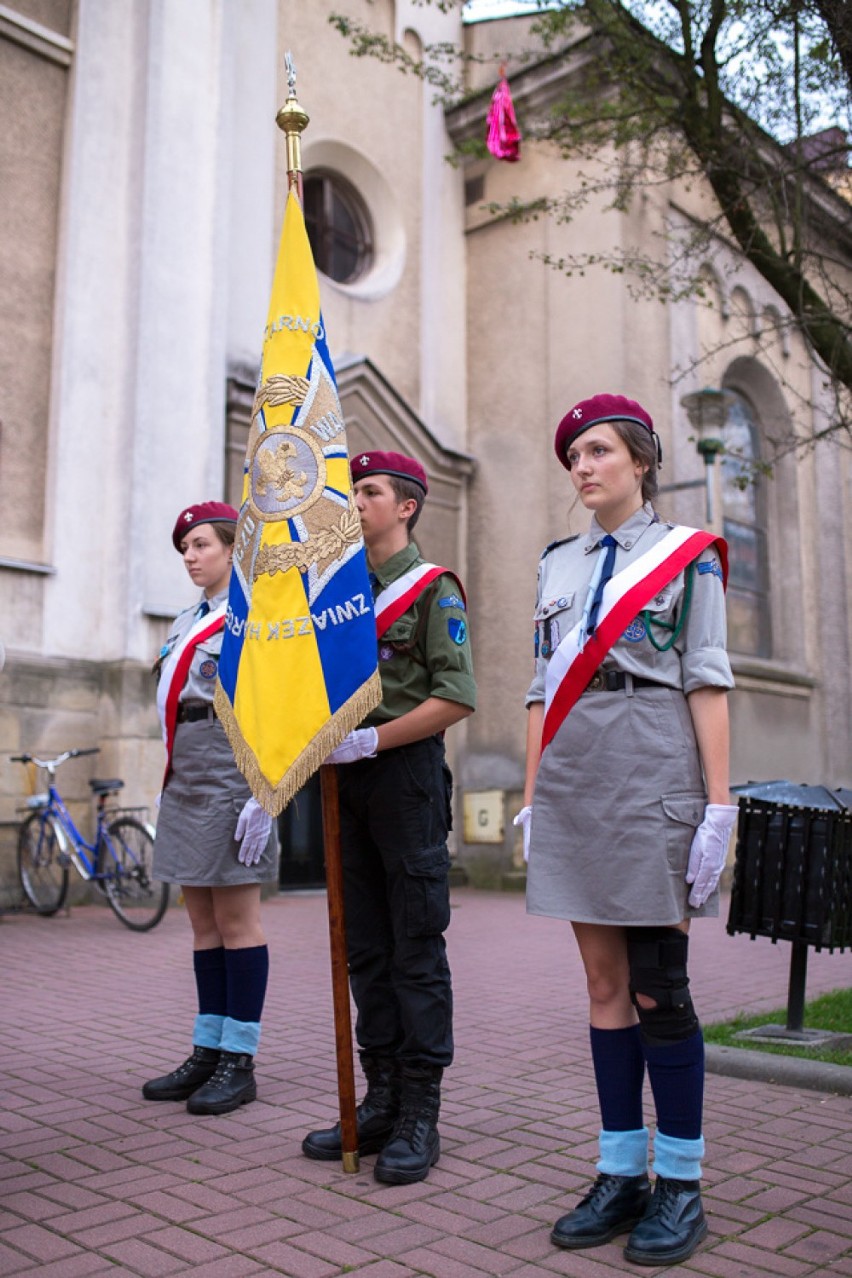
x,y
628,814
213,838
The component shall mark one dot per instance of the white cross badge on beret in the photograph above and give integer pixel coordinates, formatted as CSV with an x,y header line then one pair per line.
x,y
365,461
188,516
578,412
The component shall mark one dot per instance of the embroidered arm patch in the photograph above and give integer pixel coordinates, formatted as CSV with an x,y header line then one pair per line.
x,y
451,601
457,630
711,566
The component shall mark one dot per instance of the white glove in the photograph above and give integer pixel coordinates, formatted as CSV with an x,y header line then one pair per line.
x,y
360,744
524,819
252,832
709,850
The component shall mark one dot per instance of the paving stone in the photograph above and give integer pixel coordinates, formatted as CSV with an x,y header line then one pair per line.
x,y
96,1181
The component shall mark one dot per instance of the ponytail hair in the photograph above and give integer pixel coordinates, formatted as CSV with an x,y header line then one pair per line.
x,y
642,446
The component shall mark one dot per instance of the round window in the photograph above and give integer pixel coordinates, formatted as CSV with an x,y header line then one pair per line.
x,y
338,227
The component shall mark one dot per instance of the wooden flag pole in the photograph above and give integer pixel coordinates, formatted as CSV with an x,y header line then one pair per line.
x,y
339,966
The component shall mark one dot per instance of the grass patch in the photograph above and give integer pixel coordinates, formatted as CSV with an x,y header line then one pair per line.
x,y
828,1012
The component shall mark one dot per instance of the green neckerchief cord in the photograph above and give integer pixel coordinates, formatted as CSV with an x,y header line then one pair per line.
x,y
675,627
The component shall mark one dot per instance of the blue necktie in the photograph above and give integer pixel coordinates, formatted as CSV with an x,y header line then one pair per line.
x,y
375,584
202,609
609,561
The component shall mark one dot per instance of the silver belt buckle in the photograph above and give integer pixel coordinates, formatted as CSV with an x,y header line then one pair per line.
x,y
597,682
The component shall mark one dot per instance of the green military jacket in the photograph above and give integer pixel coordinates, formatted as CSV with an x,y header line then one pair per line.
x,y
425,652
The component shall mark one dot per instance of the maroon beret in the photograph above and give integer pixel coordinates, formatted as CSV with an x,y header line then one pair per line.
x,y
376,463
600,408
205,512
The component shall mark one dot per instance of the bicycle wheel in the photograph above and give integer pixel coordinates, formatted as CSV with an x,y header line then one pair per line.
x,y
42,866
125,859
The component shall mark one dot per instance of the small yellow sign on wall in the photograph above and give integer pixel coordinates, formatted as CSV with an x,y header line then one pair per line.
x,y
484,816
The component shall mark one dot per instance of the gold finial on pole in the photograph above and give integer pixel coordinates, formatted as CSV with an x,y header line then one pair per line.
x,y
292,119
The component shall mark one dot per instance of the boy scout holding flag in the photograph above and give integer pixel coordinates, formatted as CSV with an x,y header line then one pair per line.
x,y
395,793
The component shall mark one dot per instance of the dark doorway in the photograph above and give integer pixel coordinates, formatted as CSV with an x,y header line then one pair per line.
x,y
300,832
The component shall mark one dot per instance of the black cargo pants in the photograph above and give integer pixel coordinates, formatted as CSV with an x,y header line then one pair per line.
x,y
394,818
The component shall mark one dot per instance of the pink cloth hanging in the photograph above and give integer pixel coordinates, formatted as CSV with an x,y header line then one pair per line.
x,y
504,136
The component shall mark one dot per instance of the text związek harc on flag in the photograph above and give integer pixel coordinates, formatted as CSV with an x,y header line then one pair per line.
x,y
298,668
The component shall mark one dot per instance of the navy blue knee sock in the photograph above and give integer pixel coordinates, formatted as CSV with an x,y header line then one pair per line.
x,y
247,974
619,1073
676,1071
211,984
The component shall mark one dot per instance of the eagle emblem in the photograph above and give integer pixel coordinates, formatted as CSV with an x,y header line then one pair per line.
x,y
275,472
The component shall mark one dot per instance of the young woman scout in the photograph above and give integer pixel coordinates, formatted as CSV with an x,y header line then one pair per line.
x,y
628,813
213,838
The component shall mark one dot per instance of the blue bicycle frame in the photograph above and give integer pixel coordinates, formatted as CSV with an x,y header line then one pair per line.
x,y
71,842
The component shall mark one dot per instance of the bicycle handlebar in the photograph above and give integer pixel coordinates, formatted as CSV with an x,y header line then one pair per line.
x,y
53,763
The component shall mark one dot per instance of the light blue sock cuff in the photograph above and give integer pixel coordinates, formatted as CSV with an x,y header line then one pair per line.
x,y
623,1153
240,1036
207,1031
677,1159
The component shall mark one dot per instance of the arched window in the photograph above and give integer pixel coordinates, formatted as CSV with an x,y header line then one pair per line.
x,y
744,524
338,227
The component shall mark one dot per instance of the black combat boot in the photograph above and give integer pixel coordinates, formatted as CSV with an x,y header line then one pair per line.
x,y
415,1145
186,1079
612,1206
672,1227
231,1086
375,1116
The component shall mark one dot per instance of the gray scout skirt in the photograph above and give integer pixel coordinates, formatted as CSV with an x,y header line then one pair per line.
x,y
195,843
618,796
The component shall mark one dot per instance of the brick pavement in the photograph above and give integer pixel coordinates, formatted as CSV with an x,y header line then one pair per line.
x,y
95,1181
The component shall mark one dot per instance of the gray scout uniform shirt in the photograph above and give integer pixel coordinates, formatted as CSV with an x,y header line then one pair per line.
x,y
201,680
697,659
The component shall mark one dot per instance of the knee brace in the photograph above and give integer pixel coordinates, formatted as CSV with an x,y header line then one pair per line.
x,y
657,958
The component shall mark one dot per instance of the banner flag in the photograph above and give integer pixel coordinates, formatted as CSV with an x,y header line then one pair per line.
x,y
298,669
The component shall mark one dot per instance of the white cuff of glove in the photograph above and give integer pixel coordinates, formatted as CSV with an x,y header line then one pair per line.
x,y
524,819
252,832
360,744
709,851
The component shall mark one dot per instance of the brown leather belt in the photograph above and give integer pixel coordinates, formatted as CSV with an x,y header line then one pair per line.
x,y
616,681
194,711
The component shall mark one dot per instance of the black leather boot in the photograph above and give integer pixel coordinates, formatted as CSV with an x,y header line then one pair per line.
x,y
612,1206
672,1227
415,1145
375,1116
186,1079
231,1086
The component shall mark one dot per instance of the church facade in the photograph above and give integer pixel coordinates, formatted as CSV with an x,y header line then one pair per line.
x,y
142,195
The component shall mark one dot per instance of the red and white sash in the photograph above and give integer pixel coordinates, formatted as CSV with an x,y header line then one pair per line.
x,y
398,597
175,670
624,596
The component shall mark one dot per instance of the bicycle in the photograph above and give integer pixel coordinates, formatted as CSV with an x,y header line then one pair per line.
x,y
118,861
